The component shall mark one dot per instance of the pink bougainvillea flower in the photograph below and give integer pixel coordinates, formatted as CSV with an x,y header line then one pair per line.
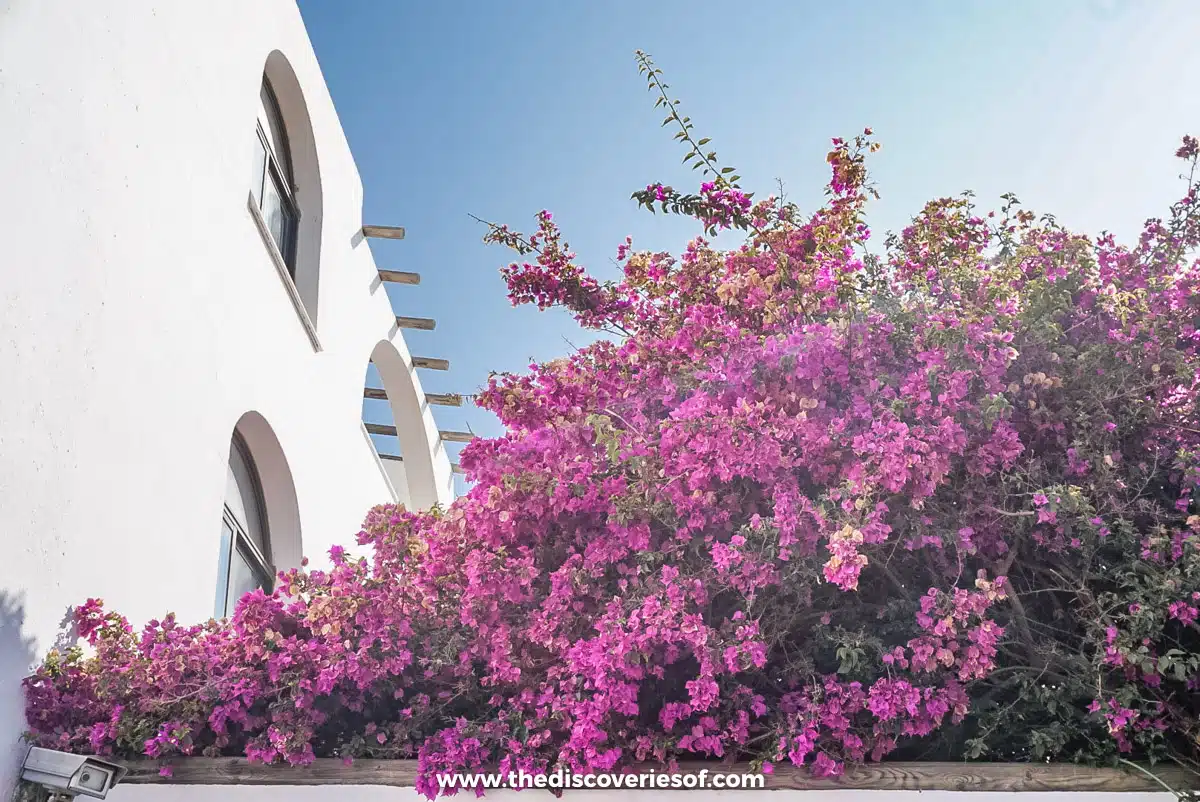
x,y
781,514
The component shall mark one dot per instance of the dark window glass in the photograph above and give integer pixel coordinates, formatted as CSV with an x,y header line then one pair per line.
x,y
271,184
245,544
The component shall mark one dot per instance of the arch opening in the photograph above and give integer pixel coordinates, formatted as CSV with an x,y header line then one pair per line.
x,y
379,423
402,427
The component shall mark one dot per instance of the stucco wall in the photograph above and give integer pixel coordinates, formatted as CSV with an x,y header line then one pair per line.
x,y
142,315
359,793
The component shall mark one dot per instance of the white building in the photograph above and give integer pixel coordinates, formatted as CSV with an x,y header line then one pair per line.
x,y
189,310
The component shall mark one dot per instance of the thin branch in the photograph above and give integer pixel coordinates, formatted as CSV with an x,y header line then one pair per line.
x,y
1179,794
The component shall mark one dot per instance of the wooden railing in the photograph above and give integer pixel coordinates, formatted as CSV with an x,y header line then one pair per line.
x,y
996,777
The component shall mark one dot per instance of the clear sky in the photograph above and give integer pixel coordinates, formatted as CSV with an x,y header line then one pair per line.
x,y
500,109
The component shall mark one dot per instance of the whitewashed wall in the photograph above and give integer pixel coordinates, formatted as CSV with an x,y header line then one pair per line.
x,y
142,316
360,793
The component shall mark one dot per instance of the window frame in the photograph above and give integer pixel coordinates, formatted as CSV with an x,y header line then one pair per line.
x,y
282,180
260,563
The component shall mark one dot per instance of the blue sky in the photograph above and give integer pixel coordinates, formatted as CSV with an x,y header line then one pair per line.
x,y
502,109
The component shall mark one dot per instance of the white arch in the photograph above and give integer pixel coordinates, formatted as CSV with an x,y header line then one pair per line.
x,y
306,172
426,465
281,508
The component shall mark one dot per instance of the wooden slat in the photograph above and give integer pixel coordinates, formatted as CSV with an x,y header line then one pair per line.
x,y
444,399
456,437
995,777
431,363
392,457
383,232
381,428
456,468
422,323
437,399
399,277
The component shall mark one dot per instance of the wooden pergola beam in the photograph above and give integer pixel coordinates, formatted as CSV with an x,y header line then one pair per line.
x,y
399,277
444,399
383,232
437,399
388,430
391,457
456,468
911,777
422,323
431,363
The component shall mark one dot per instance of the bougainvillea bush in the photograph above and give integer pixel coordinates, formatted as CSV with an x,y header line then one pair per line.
x,y
811,503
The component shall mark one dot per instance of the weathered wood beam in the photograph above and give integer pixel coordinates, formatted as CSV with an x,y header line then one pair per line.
x,y
422,323
392,457
383,232
388,430
456,468
431,363
399,277
994,777
437,399
444,399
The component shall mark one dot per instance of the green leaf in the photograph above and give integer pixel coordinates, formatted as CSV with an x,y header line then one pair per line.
x,y
702,142
723,169
975,748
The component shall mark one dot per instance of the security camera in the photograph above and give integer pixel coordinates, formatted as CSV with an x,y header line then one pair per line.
x,y
67,776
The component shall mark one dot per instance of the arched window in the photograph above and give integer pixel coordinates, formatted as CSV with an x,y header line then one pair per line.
x,y
285,198
273,184
245,541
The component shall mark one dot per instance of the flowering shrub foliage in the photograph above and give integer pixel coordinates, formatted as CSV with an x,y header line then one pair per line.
x,y
813,504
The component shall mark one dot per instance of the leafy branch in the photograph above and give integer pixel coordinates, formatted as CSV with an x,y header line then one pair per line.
x,y
707,162
722,177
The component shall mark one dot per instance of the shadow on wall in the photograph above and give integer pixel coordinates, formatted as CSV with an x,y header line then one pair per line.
x,y
16,659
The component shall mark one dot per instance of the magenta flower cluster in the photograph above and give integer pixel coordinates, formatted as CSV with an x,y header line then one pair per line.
x,y
814,504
